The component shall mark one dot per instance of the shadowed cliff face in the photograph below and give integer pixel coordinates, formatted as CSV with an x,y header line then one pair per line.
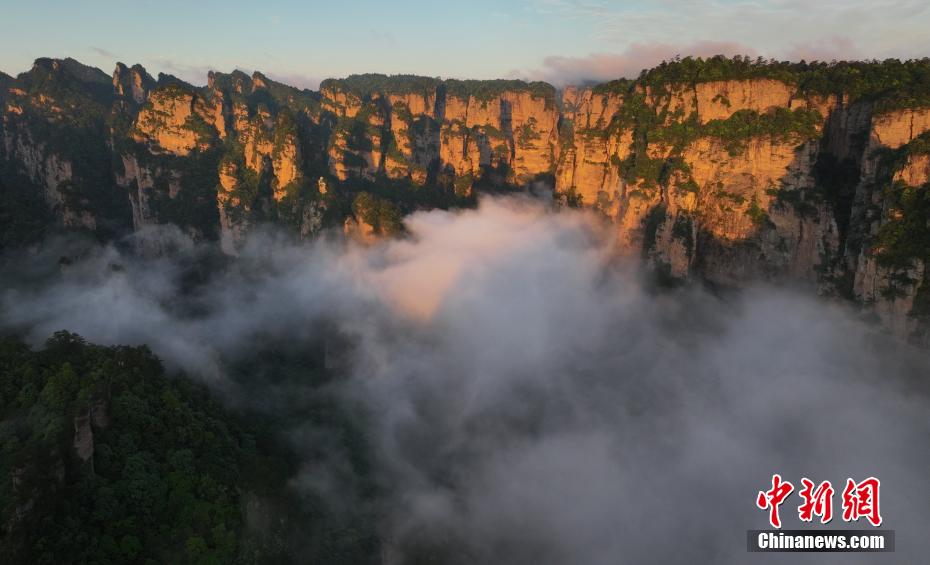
x,y
727,172
526,399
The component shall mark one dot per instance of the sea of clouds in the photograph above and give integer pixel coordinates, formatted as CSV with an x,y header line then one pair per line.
x,y
527,396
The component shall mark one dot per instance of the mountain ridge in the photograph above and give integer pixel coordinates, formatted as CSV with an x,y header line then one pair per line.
x,y
718,169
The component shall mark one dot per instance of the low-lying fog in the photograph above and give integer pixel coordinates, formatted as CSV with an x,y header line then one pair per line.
x,y
528,398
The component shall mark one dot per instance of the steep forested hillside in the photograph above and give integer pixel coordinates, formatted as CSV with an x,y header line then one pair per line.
x,y
105,459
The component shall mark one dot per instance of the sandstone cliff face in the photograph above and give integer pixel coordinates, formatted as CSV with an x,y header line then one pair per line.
x,y
584,166
47,169
233,227
728,185
264,170
534,126
894,129
517,129
731,181
139,181
722,209
162,136
896,162
230,151
169,122
721,99
52,140
415,134
132,83
339,101
440,128
890,292
753,215
355,147
271,146
722,180
915,172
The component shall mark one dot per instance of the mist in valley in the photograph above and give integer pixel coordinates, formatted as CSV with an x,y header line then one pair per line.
x,y
525,395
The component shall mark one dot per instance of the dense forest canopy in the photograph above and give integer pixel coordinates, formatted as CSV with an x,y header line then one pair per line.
x,y
107,459
892,82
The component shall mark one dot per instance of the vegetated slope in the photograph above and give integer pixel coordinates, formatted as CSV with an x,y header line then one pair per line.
x,y
105,459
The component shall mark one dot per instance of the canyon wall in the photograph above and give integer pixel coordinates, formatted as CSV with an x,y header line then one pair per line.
x,y
727,181
451,132
724,173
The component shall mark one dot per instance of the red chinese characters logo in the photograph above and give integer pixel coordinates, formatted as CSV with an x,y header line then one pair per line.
x,y
817,502
773,498
860,500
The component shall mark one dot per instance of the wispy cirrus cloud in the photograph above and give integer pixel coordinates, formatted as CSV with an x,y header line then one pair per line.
x,y
785,29
600,67
103,52
194,73
827,49
298,80
197,74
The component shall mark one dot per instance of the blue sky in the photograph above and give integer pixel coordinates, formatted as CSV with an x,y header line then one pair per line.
x,y
556,40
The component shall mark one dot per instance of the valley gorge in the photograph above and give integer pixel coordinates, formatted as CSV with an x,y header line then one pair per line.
x,y
401,319
717,170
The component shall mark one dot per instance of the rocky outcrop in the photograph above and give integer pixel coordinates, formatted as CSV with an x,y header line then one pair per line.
x,y
83,438
360,231
418,129
736,180
517,128
97,417
173,121
889,272
132,83
750,214
53,141
713,201
723,170
268,136
213,160
890,292
139,181
915,172
262,173
234,214
342,102
47,169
